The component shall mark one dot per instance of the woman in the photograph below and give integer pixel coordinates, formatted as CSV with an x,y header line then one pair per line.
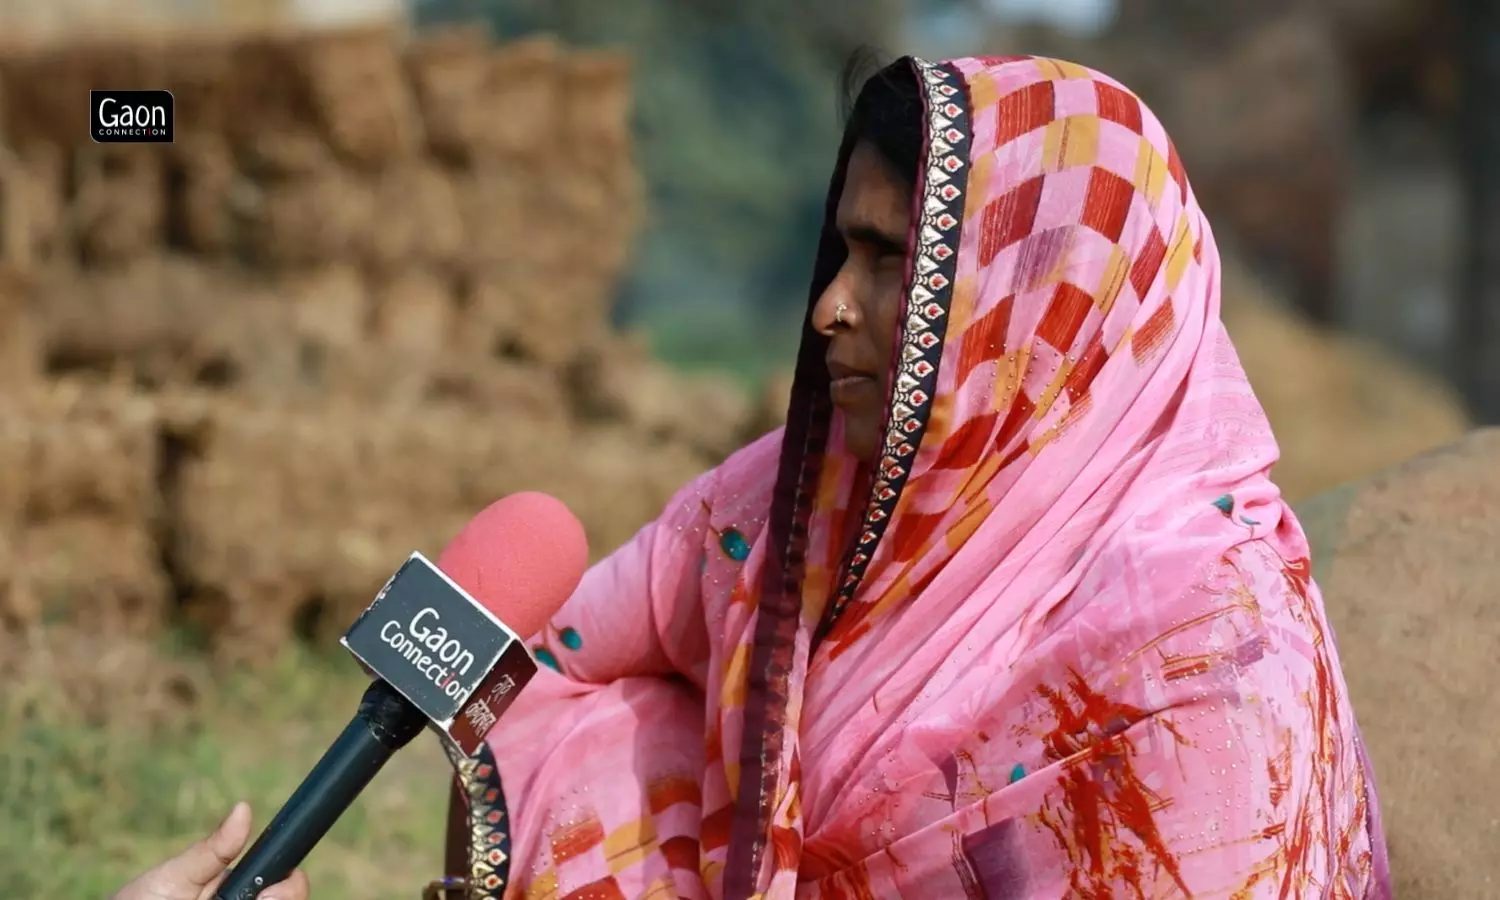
x,y
1009,609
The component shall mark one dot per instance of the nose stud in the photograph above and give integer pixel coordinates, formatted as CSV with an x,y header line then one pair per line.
x,y
838,313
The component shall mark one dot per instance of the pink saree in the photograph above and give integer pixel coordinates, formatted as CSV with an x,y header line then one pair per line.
x,y
1074,648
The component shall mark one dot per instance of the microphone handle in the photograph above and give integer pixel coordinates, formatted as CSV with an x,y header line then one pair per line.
x,y
385,723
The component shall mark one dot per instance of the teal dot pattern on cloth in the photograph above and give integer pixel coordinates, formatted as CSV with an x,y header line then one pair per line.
x,y
1225,505
1017,773
734,544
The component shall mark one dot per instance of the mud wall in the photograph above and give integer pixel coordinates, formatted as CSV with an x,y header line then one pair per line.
x,y
365,293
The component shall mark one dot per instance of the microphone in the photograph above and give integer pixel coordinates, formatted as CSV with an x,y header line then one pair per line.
x,y
445,646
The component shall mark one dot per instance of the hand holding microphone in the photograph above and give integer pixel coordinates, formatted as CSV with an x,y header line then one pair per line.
x,y
195,872
446,646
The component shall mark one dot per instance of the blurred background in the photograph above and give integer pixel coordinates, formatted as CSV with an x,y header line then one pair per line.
x,y
406,257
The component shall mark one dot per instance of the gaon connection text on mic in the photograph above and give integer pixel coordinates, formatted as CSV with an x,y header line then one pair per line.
x,y
440,659
443,651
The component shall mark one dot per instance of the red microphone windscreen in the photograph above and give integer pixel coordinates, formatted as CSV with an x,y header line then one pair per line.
x,y
521,558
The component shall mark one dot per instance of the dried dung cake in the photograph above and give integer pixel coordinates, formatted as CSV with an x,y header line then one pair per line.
x,y
349,494
1407,563
363,294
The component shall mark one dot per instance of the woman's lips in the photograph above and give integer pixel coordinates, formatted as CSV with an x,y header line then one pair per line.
x,y
850,389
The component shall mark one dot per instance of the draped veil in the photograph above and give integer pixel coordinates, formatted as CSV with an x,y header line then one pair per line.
x,y
1074,647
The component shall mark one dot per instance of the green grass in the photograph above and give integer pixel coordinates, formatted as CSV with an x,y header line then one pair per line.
x,y
83,808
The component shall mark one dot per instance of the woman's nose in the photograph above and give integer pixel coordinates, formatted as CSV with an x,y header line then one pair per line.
x,y
836,309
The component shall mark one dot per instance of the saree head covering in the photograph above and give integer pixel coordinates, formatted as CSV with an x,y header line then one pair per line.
x,y
1073,647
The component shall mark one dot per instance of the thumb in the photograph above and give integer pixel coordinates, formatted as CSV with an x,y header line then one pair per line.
x,y
294,888
206,860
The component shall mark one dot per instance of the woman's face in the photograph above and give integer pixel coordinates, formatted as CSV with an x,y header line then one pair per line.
x,y
858,311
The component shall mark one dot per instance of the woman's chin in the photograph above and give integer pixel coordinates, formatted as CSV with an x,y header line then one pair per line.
x,y
862,444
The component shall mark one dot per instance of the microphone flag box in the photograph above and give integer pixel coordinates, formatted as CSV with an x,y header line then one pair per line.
x,y
443,651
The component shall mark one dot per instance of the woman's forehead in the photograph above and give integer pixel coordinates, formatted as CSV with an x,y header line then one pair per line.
x,y
874,197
